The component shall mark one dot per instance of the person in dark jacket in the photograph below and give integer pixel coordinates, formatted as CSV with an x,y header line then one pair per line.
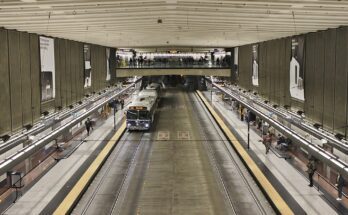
x,y
88,125
339,185
311,169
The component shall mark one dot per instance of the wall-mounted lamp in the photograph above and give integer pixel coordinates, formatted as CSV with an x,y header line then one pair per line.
x,y
317,125
286,106
80,102
300,112
28,127
45,113
339,136
266,101
275,106
71,106
5,137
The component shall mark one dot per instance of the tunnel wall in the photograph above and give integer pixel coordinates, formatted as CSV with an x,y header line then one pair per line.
x,y
325,75
20,74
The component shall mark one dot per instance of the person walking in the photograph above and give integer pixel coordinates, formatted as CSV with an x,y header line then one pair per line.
x,y
339,185
267,141
311,169
88,125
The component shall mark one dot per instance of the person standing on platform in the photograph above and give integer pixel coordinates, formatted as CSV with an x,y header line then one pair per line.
x,y
311,169
88,125
122,104
339,185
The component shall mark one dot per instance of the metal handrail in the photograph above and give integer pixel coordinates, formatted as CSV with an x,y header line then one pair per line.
x,y
299,122
313,149
24,153
49,122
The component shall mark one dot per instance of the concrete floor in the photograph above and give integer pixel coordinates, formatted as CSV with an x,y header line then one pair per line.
x,y
181,166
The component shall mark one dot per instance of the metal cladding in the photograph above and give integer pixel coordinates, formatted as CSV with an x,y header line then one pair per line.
x,y
24,153
314,150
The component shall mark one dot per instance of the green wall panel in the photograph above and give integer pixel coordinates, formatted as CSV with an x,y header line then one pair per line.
x,y
340,110
68,72
25,78
35,76
5,99
58,99
329,78
15,79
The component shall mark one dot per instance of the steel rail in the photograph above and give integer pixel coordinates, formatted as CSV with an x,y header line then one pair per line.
x,y
313,149
298,122
24,153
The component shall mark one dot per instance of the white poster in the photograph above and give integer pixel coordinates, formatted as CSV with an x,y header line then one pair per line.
x,y
255,65
48,90
296,68
88,68
108,76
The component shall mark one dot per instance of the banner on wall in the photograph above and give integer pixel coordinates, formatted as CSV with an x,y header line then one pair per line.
x,y
296,68
48,90
235,60
255,65
108,75
88,68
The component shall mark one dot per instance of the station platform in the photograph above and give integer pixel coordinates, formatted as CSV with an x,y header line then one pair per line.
x,y
279,170
183,165
42,198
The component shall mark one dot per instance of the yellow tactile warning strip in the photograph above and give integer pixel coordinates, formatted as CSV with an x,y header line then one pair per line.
x,y
273,195
69,201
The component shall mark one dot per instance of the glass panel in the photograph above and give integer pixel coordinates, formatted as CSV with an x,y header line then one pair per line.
x,y
132,114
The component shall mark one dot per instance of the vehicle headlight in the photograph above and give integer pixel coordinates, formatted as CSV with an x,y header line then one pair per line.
x,y
128,125
147,125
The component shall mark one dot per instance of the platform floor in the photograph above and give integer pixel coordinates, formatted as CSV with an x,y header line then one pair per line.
x,y
46,189
311,200
182,166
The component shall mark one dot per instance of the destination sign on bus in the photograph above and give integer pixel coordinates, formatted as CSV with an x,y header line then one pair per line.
x,y
137,108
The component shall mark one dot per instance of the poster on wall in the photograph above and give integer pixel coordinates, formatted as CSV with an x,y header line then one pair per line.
x,y
255,65
296,68
88,68
235,60
108,75
47,68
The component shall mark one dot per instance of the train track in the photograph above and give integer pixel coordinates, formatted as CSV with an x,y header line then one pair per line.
x,y
134,137
233,157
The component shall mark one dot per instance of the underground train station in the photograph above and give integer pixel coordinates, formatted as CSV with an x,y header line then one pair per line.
x,y
173,107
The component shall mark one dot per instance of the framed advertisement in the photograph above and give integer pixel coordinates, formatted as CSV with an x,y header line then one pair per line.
x,y
108,75
255,65
296,68
47,68
88,67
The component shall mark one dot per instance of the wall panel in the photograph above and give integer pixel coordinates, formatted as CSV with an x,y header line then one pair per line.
x,y
318,78
5,99
35,76
58,99
25,78
68,72
15,80
329,78
340,110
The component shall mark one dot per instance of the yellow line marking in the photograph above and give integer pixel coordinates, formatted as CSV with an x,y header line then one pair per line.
x,y
272,193
69,201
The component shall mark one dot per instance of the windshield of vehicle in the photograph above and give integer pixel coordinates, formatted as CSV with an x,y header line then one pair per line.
x,y
143,114
132,114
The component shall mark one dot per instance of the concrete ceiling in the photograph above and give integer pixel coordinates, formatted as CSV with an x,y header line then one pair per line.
x,y
204,23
